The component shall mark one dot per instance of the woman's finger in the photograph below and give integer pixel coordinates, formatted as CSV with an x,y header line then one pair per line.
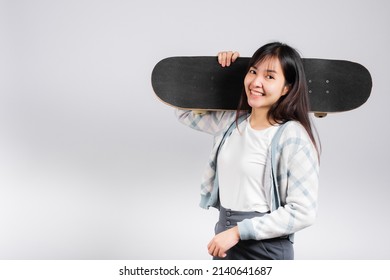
x,y
235,56
221,253
229,58
220,58
224,56
211,248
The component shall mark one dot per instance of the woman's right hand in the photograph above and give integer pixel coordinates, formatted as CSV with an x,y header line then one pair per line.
x,y
227,58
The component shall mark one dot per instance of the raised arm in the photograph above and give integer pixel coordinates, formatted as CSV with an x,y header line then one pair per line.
x,y
210,121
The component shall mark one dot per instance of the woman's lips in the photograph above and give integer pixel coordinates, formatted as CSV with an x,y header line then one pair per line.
x,y
256,93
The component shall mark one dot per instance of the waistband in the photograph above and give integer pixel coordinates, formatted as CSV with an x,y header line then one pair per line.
x,y
229,218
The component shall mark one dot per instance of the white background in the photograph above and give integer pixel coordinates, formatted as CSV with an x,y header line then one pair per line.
x,y
93,166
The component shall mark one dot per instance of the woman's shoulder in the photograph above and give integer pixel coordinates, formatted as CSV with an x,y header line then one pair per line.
x,y
295,132
295,140
293,125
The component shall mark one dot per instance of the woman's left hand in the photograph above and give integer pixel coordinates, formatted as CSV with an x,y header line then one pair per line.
x,y
223,242
227,58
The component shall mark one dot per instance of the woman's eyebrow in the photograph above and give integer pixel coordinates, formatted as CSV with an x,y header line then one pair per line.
x,y
266,70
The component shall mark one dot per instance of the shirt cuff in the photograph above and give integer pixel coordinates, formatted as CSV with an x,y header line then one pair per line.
x,y
246,230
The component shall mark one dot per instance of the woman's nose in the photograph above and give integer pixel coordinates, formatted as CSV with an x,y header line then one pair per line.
x,y
257,81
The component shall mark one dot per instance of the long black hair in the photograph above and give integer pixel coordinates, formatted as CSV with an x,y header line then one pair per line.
x,y
295,104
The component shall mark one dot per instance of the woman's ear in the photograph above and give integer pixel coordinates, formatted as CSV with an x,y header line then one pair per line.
x,y
286,89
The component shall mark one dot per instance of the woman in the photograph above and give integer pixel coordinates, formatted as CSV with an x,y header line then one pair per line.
x,y
261,205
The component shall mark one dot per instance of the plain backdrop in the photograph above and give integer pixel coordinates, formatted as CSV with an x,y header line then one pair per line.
x,y
93,166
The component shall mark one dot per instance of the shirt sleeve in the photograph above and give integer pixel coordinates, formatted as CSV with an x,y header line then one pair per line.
x,y
211,122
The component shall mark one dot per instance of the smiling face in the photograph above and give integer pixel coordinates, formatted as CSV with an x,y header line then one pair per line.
x,y
265,84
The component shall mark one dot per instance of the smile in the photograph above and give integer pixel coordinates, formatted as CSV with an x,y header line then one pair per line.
x,y
256,93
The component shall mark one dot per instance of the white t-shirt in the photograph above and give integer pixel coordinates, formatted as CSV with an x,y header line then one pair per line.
x,y
241,163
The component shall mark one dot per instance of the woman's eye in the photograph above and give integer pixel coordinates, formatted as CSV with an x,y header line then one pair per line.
x,y
252,71
269,77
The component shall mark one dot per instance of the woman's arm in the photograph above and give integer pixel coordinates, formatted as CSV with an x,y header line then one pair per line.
x,y
211,122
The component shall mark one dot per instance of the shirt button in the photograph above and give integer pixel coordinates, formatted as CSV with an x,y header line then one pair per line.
x,y
228,214
228,223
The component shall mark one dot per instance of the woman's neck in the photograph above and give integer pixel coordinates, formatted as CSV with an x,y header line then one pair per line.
x,y
259,120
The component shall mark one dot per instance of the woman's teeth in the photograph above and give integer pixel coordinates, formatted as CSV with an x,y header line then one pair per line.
x,y
257,93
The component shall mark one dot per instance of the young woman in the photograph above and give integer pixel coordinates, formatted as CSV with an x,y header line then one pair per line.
x,y
265,190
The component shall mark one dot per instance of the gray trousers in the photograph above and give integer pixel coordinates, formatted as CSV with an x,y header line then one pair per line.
x,y
279,248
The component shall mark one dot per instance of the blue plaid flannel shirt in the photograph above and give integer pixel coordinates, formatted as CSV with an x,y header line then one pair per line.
x,y
297,177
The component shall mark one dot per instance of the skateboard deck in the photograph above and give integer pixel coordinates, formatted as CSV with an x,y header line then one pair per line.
x,y
200,83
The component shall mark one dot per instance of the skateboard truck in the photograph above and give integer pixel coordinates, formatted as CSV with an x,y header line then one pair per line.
x,y
320,114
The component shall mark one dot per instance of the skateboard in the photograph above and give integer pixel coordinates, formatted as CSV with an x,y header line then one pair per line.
x,y
200,83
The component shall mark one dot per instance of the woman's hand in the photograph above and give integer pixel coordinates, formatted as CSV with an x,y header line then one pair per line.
x,y
227,58
223,242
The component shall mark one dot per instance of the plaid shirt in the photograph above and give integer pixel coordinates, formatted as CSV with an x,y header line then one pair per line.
x,y
297,177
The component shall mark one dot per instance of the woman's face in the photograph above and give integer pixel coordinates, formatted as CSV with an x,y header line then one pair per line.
x,y
265,84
